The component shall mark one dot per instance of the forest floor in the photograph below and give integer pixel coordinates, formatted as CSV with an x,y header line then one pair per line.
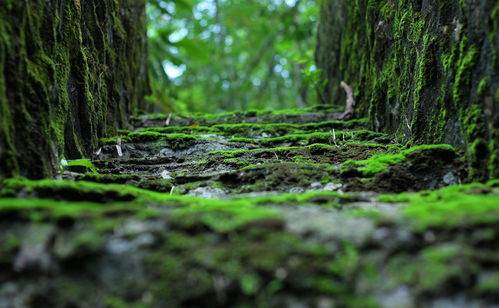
x,y
252,209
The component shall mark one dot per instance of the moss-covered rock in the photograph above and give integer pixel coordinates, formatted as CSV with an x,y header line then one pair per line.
x,y
266,250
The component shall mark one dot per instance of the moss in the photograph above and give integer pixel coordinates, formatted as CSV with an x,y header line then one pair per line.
x,y
433,268
441,263
400,198
247,260
488,284
11,244
483,86
239,153
237,117
493,183
116,302
68,96
95,193
43,209
76,191
84,163
323,198
375,164
243,129
429,147
416,71
150,136
454,206
326,138
381,162
466,63
108,178
246,140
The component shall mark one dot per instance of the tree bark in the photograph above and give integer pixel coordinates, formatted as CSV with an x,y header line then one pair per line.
x,y
426,71
70,72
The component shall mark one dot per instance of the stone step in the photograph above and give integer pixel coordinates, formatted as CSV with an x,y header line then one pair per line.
x,y
211,214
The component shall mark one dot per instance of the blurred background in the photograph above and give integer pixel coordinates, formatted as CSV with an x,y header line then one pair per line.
x,y
223,55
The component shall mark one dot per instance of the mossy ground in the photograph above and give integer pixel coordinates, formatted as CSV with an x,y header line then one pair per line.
x,y
287,217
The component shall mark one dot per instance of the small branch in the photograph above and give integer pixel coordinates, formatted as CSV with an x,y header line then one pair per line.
x,y
334,137
118,148
167,123
350,103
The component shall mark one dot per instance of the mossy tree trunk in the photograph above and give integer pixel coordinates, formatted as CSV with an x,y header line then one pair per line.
x,y
71,71
426,71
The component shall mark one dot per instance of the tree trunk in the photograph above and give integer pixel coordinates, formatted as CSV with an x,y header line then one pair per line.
x,y
426,71
71,72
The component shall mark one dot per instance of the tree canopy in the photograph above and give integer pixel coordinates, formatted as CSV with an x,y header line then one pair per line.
x,y
216,55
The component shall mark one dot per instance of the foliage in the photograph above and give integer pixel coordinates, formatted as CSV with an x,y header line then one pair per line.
x,y
216,55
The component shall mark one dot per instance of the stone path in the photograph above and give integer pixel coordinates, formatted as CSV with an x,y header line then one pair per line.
x,y
275,209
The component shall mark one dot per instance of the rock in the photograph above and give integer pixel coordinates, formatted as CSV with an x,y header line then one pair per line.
x,y
332,186
208,193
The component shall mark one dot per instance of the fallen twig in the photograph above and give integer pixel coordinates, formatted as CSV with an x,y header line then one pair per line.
x,y
167,123
334,137
118,147
350,103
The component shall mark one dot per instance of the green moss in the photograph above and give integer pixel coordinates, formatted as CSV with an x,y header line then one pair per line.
x,y
455,206
325,138
375,164
151,136
250,284
416,77
43,209
290,133
246,140
483,85
82,163
68,96
441,263
116,302
469,56
489,284
327,199
493,183
240,153
251,129
400,198
381,162
429,147
94,192
266,116
108,178
77,191
423,68
493,163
